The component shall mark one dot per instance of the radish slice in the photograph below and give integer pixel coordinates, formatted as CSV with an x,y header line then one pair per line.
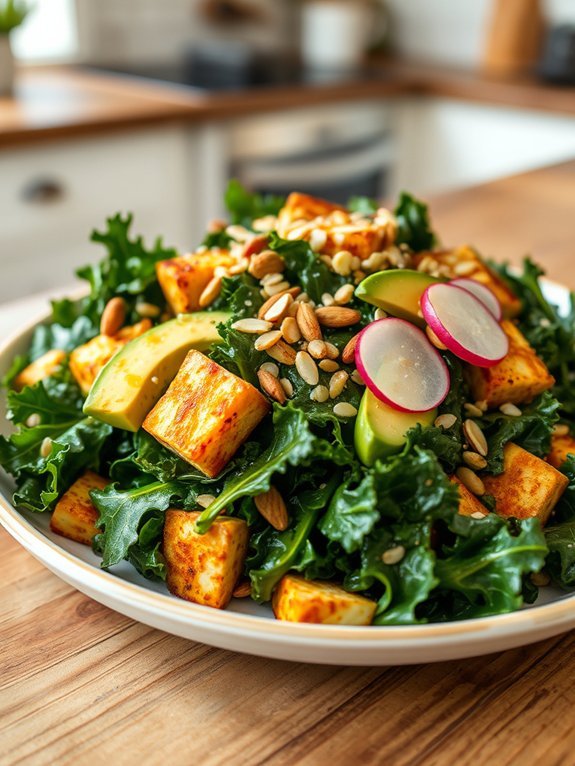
x,y
482,293
400,366
464,325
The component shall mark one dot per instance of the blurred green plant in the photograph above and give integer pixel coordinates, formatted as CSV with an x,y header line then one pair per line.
x,y
12,14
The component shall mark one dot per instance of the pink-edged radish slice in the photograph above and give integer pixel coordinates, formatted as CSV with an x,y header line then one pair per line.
x,y
482,293
464,325
400,366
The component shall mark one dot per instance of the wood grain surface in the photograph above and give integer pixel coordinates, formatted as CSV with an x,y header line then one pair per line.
x,y
56,103
80,684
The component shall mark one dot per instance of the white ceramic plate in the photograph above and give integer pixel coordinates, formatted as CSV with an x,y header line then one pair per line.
x,y
247,627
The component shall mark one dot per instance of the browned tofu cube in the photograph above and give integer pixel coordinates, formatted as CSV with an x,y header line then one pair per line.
x,y
300,207
206,414
87,360
299,600
39,369
561,447
204,568
305,217
464,261
518,378
184,279
528,487
75,515
469,505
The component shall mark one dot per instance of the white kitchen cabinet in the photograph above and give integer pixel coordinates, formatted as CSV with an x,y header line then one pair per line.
x,y
443,144
53,195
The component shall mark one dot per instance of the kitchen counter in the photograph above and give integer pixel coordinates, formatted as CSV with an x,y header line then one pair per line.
x,y
66,102
82,684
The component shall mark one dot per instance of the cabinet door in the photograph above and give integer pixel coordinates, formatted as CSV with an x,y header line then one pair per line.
x,y
53,196
443,144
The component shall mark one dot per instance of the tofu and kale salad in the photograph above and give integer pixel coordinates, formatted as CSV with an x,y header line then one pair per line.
x,y
321,407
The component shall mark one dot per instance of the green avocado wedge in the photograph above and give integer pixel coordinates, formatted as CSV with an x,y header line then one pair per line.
x,y
397,291
380,430
134,379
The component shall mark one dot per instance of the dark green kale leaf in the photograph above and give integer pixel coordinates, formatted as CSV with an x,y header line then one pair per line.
x,y
532,429
560,564
128,270
146,554
565,508
405,584
413,225
244,207
77,441
304,268
292,444
413,493
363,205
446,443
123,512
275,553
549,330
352,513
487,563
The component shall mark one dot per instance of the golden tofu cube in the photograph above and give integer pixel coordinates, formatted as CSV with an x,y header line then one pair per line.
x,y
302,215
518,378
299,600
39,369
464,261
561,447
528,487
75,515
87,360
300,207
468,503
184,279
204,568
206,414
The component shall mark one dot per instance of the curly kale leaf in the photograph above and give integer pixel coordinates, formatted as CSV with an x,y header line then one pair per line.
x,y
413,225
532,429
487,563
244,206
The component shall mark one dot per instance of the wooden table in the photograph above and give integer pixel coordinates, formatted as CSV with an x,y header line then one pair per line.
x,y
80,684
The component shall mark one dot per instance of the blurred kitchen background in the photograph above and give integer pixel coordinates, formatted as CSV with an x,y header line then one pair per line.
x,y
150,106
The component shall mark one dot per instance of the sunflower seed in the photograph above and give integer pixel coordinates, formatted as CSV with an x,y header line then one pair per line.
x,y
474,460
252,326
33,420
270,367
267,340
344,294
344,410
445,421
393,555
328,365
287,387
307,368
337,383
473,410
511,410
319,394
470,480
46,447
475,437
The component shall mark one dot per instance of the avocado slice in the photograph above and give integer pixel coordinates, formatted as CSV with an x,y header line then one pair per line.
x,y
397,291
134,379
380,430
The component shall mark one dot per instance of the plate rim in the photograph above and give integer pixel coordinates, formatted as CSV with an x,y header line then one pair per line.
x,y
556,615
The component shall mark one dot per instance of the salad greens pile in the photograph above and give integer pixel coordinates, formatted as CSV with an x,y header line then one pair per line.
x,y
343,515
